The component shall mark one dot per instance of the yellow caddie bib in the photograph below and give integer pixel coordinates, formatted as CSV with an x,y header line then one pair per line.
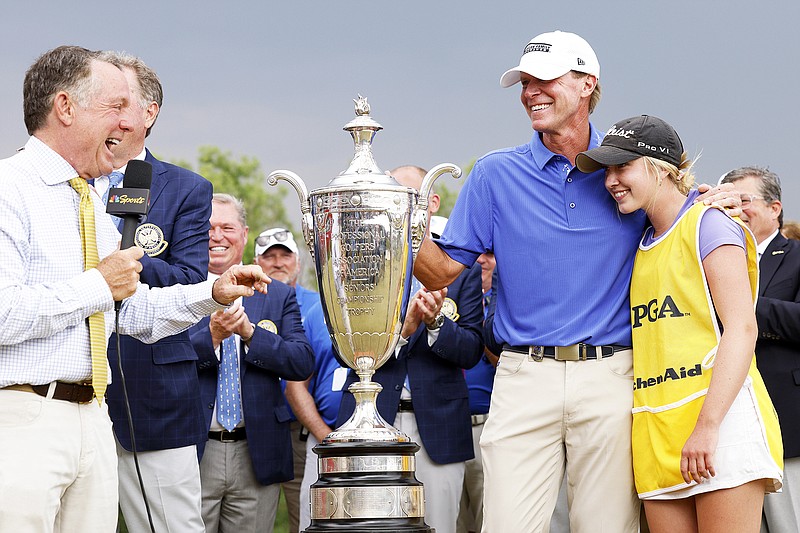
x,y
675,338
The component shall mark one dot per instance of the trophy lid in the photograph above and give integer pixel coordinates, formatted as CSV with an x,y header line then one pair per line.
x,y
363,169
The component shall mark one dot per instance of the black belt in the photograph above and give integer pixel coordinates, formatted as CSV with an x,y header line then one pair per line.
x,y
228,436
575,352
405,405
68,392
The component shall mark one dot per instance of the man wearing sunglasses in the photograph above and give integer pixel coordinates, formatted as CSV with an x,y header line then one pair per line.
x,y
778,316
277,254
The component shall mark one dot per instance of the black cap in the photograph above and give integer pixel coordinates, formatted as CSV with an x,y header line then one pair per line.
x,y
631,139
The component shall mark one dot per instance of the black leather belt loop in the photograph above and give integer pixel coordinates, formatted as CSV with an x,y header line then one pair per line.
x,y
405,406
575,352
228,436
68,392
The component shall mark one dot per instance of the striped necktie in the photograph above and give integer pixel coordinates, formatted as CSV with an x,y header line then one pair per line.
x,y
229,401
97,327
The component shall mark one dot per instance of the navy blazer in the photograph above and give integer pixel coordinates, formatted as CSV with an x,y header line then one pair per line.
x,y
436,375
270,356
161,378
778,345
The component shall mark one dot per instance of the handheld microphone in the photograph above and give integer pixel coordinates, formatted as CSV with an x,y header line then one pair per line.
x,y
131,201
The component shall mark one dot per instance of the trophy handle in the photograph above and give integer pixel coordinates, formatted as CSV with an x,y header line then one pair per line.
x,y
305,205
419,218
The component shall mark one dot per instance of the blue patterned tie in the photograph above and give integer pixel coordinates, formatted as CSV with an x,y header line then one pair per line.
x,y
415,286
114,179
229,403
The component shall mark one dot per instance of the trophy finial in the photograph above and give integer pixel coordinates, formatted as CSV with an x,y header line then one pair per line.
x,y
363,168
362,106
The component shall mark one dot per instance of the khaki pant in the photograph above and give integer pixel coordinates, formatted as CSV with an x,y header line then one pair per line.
x,y
548,417
233,499
172,482
470,512
782,511
291,488
58,468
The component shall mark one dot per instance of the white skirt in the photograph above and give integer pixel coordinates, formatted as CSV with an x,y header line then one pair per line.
x,y
742,453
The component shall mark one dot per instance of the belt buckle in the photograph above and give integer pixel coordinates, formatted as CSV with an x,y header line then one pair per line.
x,y
573,352
226,440
536,353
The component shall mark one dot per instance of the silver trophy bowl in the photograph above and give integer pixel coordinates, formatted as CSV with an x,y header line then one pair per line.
x,y
363,230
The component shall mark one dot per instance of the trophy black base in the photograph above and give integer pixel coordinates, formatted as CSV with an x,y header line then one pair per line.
x,y
367,487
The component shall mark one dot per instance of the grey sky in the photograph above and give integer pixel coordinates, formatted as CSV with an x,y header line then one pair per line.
x,y
275,80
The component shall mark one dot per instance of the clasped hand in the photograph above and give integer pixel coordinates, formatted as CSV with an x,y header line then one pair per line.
x,y
423,307
225,323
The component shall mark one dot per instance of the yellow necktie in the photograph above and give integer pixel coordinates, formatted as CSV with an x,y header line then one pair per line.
x,y
97,323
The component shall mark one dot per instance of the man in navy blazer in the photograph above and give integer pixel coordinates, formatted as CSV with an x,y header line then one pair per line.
x,y
249,451
778,317
441,337
161,378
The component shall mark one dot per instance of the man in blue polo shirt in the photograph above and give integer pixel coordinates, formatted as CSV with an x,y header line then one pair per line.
x,y
563,389
276,252
315,401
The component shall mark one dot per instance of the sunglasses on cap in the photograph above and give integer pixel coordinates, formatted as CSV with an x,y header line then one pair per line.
x,y
279,236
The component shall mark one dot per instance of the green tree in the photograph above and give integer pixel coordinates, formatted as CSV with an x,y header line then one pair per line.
x,y
447,199
447,196
243,178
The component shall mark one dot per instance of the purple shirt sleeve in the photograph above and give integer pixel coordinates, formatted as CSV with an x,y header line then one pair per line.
x,y
718,229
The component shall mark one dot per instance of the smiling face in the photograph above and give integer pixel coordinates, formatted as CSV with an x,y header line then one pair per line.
x,y
631,185
280,263
558,105
226,238
760,215
138,120
98,127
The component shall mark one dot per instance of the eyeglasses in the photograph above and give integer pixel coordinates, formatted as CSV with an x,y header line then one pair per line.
x,y
747,199
284,235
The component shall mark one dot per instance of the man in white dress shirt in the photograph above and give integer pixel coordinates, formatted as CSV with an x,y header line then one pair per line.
x,y
57,458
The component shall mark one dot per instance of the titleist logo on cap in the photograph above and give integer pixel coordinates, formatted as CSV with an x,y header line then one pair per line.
x,y
537,47
620,132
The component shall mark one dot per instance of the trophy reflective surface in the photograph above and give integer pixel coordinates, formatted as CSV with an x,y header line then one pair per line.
x,y
363,230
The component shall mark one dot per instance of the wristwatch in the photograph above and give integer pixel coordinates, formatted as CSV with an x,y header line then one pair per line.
x,y
248,339
437,322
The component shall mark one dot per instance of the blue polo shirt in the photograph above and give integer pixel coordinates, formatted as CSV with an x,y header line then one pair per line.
x,y
321,385
305,299
564,252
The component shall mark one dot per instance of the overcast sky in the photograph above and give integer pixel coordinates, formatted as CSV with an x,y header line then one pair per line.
x,y
275,80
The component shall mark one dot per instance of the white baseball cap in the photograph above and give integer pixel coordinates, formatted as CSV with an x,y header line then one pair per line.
x,y
275,236
551,55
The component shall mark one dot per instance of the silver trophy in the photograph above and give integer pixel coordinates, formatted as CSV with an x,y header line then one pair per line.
x,y
364,230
